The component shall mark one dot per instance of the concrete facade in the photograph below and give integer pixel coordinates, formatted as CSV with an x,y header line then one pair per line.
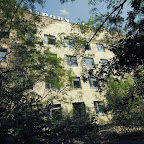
x,y
87,94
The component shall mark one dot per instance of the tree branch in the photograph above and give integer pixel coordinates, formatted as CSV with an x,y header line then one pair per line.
x,y
11,21
121,5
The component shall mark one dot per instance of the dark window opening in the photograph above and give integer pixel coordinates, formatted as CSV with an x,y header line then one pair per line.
x,y
85,46
93,83
55,111
79,109
51,84
49,39
76,83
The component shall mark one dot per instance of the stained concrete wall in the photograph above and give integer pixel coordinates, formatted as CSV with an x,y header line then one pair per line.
x,y
85,94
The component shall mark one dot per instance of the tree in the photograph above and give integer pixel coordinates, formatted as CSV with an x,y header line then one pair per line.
x,y
23,114
124,102
124,37
128,48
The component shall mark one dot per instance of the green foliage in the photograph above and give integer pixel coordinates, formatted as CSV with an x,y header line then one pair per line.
x,y
124,103
22,112
139,83
128,49
63,1
25,120
70,128
117,90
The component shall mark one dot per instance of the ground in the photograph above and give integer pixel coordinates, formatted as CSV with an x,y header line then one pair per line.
x,y
112,137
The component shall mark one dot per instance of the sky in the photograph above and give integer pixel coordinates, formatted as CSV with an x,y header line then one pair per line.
x,y
70,10
78,9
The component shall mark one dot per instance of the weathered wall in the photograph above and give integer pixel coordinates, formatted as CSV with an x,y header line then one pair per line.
x,y
85,94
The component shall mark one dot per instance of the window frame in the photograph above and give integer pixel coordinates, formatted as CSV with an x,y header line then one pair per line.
x,y
55,107
49,85
51,55
100,47
84,46
103,62
79,108
70,60
49,39
3,57
4,32
99,107
87,62
68,43
77,79
91,80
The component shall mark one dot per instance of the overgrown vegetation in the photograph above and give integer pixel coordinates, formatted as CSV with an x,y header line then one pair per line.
x,y
124,37
124,102
24,118
23,113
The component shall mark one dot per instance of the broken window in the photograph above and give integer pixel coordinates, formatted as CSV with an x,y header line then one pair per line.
x,y
79,108
55,111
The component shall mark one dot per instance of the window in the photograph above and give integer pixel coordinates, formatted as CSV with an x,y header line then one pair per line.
x,y
19,80
85,46
31,87
99,107
100,47
4,33
76,83
48,39
89,62
1,83
72,61
93,83
51,84
111,48
3,53
55,111
79,109
52,56
30,37
69,43
103,61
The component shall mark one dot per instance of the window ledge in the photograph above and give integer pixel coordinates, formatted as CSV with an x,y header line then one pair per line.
x,y
71,66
